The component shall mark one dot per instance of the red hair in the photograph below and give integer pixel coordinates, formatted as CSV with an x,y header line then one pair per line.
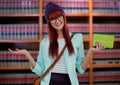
x,y
53,48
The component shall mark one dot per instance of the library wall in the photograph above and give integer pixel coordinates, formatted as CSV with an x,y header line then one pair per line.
x,y
106,21
22,25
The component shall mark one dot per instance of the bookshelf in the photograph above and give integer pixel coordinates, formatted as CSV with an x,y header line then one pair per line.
x,y
105,20
88,18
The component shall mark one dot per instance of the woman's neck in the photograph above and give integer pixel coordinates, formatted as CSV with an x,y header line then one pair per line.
x,y
60,34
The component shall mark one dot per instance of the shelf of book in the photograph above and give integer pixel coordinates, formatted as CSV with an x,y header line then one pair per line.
x,y
27,67
87,12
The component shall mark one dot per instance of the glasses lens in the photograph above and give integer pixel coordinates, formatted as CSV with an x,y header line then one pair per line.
x,y
58,18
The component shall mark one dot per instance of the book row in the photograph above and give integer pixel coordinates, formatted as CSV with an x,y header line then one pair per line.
x,y
72,26
19,31
17,78
103,57
106,6
101,76
81,6
69,6
27,78
99,6
19,6
8,59
31,31
107,57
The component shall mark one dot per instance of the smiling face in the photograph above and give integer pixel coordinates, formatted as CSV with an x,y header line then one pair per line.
x,y
56,19
57,23
57,28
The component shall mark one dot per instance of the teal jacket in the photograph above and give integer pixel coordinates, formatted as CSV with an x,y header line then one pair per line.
x,y
72,62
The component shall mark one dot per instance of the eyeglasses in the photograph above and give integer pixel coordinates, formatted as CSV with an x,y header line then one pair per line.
x,y
58,18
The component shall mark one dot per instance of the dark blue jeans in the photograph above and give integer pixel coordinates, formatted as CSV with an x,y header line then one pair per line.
x,y
59,79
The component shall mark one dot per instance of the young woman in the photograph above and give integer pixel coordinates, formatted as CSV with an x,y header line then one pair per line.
x,y
64,72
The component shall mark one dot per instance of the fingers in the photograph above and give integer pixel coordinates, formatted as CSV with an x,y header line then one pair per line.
x,y
17,49
99,45
9,49
13,51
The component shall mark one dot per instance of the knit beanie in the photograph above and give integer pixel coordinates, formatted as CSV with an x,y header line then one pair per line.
x,y
50,7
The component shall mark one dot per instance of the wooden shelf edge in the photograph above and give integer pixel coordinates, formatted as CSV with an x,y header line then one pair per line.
x,y
117,39
76,15
106,65
19,41
14,68
20,15
105,15
38,40
86,39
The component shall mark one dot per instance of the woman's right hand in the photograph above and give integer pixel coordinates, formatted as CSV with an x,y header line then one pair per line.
x,y
26,53
18,51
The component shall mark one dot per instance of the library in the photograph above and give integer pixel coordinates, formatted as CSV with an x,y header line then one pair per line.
x,y
23,26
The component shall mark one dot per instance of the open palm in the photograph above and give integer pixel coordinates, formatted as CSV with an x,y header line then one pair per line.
x,y
18,51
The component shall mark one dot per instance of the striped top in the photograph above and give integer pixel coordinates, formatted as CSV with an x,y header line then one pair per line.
x,y
60,66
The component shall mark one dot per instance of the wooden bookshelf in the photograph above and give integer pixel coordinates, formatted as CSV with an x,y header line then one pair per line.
x,y
40,16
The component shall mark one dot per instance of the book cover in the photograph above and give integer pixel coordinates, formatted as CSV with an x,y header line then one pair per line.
x,y
107,40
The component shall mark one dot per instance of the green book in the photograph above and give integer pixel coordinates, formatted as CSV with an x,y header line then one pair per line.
x,y
107,40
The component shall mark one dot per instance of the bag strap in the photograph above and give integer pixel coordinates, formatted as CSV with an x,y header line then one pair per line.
x,y
55,61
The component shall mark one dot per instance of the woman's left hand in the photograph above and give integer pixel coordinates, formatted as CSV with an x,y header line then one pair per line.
x,y
86,61
99,46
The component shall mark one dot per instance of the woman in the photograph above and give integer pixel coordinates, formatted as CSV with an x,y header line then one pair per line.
x,y
64,72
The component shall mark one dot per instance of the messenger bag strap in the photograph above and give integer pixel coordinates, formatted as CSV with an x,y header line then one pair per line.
x,y
55,61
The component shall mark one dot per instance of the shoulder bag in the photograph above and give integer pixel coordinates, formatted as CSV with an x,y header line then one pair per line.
x,y
38,80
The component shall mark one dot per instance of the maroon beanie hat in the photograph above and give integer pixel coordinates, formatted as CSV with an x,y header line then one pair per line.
x,y
50,7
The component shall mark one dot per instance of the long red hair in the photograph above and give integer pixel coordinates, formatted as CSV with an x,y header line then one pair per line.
x,y
53,48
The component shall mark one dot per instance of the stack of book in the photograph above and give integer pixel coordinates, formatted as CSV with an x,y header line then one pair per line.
x,y
17,77
109,56
107,77
74,28
18,6
19,31
71,6
9,59
111,29
106,6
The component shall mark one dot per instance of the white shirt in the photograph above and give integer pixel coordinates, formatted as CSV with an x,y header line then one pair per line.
x,y
60,66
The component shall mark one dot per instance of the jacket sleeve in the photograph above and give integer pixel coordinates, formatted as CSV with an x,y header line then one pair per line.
x,y
80,52
39,67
